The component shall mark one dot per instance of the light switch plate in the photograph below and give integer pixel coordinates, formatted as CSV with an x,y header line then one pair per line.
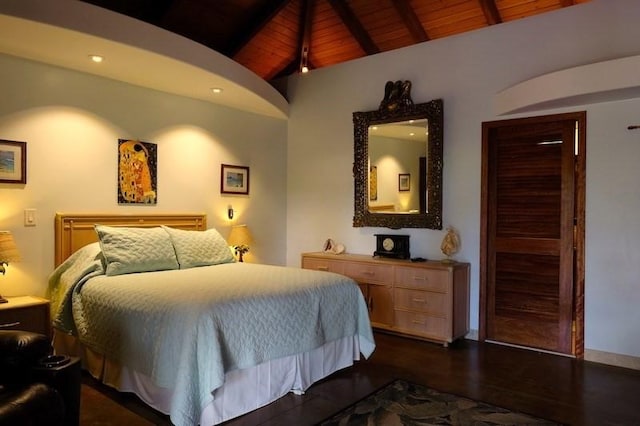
x,y
30,217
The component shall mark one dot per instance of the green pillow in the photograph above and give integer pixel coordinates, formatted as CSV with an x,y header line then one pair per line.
x,y
199,248
128,250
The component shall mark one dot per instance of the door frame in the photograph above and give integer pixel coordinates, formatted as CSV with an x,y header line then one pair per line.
x,y
579,229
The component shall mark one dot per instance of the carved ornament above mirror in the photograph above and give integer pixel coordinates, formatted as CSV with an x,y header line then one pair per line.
x,y
398,184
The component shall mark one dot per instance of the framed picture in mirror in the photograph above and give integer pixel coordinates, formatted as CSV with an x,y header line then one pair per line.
x,y
404,182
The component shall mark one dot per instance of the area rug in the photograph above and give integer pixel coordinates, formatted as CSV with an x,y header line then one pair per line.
x,y
405,403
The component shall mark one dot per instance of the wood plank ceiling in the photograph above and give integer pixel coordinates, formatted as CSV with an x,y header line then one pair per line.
x,y
275,38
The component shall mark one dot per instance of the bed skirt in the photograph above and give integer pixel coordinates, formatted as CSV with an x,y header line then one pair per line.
x,y
243,391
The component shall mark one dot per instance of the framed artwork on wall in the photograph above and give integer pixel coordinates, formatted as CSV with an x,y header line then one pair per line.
x,y
13,162
234,179
137,172
404,182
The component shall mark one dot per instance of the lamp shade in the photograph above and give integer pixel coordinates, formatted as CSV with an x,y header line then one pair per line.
x,y
8,249
239,236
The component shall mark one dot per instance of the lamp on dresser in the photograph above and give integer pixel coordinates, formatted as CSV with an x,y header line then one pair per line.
x,y
8,253
239,239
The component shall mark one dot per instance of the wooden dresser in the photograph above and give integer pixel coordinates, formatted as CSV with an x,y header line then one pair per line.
x,y
429,300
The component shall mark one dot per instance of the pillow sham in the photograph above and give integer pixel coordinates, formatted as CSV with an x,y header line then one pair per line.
x,y
128,250
199,248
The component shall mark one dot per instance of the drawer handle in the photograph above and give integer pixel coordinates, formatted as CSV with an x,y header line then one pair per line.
x,y
11,324
418,322
420,278
368,273
419,300
322,268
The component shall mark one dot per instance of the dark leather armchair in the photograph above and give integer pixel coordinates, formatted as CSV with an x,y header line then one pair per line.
x,y
25,397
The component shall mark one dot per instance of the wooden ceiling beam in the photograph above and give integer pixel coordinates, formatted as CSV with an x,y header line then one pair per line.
x,y
491,12
411,21
304,41
355,27
291,68
259,16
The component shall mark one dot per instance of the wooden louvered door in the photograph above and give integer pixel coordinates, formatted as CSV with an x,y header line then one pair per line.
x,y
532,203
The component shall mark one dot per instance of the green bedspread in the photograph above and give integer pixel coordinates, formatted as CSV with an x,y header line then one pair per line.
x,y
186,328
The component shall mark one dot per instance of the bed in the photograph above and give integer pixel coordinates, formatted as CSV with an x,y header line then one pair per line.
x,y
156,305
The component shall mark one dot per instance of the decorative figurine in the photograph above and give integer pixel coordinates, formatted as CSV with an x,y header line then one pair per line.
x,y
332,247
450,245
397,95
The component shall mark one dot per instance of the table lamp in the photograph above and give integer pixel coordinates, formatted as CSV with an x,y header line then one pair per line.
x,y
239,239
8,253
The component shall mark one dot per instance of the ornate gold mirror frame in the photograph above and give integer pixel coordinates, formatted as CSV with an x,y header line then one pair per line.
x,y
397,106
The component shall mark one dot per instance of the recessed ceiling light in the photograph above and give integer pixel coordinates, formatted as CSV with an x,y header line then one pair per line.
x,y
96,58
216,90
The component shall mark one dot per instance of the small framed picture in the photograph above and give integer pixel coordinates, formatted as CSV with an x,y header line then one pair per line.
x,y
234,180
13,162
404,182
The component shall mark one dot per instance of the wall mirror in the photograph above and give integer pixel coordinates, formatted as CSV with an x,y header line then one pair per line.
x,y
398,162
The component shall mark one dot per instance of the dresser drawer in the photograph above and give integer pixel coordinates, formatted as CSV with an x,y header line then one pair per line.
x,y
420,324
323,265
424,279
422,301
30,318
369,273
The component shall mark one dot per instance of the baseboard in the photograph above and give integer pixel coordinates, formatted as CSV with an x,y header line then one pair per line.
x,y
609,358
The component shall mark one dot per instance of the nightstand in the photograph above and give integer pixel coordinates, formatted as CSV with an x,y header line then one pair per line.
x,y
28,313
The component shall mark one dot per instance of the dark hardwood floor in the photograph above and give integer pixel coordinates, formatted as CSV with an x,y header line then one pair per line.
x,y
544,385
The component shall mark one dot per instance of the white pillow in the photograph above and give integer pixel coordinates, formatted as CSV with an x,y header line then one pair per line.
x,y
128,250
199,248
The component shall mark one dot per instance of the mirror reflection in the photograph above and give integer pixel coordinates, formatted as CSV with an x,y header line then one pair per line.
x,y
397,167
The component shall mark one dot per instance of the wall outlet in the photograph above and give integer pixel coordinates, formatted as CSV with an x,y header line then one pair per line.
x,y
30,217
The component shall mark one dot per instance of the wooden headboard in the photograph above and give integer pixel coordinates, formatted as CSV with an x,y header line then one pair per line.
x,y
74,231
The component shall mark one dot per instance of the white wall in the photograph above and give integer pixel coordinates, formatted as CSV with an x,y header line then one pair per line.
x,y
72,121
467,71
